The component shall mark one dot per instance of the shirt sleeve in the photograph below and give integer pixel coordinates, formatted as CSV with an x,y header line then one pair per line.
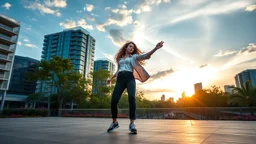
x,y
142,56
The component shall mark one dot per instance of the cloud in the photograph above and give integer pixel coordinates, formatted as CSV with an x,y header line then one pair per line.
x,y
145,5
26,40
137,24
28,28
43,9
118,17
226,53
83,24
159,75
214,8
250,8
109,56
19,43
202,66
30,45
245,54
71,24
122,6
88,7
7,6
55,3
68,24
249,49
117,37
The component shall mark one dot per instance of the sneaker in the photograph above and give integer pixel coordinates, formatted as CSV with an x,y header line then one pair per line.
x,y
132,128
113,126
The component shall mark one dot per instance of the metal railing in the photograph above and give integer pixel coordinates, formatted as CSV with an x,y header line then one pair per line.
x,y
8,28
195,113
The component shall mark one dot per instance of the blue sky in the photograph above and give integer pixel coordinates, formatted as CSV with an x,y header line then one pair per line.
x,y
205,41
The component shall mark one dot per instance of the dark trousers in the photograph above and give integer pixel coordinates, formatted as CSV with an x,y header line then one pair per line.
x,y
124,80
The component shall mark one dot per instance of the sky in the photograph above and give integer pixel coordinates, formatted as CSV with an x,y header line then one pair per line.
x,y
204,41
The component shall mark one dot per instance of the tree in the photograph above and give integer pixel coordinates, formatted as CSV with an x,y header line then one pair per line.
x,y
244,96
59,74
99,82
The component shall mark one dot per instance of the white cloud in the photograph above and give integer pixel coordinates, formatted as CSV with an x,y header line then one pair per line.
x,y
7,6
55,3
145,5
122,6
71,24
245,54
43,9
88,7
250,8
68,24
28,28
109,56
83,24
19,43
214,8
30,45
118,17
226,53
26,40
249,49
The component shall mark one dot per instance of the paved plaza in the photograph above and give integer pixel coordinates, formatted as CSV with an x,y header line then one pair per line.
x,y
54,130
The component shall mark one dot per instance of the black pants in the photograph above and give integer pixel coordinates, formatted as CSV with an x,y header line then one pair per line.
x,y
124,80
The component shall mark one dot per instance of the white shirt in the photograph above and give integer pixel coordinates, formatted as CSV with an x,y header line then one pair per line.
x,y
125,64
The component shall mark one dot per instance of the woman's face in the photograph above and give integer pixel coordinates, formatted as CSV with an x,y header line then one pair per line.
x,y
130,48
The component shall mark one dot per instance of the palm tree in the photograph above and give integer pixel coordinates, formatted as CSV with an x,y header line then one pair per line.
x,y
244,96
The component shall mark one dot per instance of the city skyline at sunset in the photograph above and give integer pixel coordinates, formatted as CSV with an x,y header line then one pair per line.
x,y
204,41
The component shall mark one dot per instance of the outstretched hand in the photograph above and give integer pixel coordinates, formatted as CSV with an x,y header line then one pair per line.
x,y
108,82
159,45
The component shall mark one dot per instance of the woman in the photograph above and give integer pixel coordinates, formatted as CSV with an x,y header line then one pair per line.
x,y
129,60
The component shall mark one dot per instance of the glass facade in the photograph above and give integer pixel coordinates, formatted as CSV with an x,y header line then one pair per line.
x,y
244,76
76,44
19,83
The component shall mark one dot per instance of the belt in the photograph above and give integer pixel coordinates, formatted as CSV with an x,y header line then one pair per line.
x,y
125,72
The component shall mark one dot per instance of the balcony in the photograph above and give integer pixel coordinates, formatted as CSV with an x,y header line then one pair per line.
x,y
5,58
8,30
3,85
4,67
8,40
7,49
4,77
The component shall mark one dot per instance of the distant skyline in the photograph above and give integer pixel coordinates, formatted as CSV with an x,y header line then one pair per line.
x,y
205,41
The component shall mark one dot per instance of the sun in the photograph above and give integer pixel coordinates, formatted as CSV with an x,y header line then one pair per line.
x,y
183,80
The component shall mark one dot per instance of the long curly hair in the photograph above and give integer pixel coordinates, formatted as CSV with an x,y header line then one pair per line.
x,y
122,50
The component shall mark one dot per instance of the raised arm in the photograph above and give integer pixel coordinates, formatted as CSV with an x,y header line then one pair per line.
x,y
148,55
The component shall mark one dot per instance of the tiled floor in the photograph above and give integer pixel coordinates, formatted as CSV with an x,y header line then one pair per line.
x,y
55,130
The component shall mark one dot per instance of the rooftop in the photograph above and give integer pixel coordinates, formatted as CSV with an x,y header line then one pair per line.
x,y
53,130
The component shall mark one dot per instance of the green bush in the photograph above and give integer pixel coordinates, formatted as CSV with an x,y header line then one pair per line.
x,y
25,112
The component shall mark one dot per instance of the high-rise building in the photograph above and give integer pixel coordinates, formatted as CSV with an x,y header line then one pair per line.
x,y
198,87
76,44
9,32
20,83
104,64
163,97
228,88
246,75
